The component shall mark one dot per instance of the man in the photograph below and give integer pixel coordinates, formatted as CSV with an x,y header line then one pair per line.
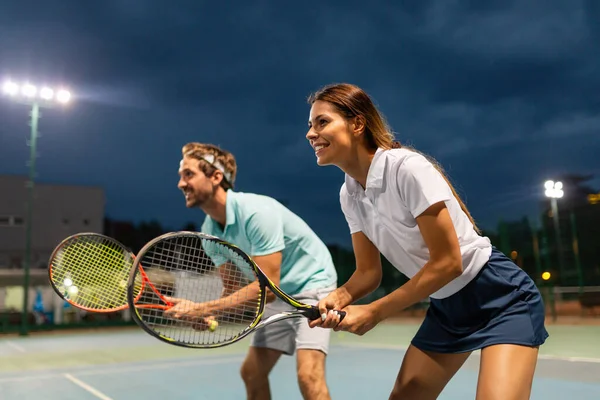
x,y
285,248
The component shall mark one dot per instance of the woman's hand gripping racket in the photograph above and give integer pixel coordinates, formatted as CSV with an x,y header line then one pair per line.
x,y
214,279
90,271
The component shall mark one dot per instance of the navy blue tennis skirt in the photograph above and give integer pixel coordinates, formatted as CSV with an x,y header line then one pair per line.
x,y
501,305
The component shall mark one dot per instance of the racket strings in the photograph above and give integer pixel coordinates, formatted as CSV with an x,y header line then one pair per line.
x,y
92,272
236,285
192,270
201,272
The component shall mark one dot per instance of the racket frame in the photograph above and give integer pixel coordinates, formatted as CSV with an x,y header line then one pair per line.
x,y
61,246
123,248
302,309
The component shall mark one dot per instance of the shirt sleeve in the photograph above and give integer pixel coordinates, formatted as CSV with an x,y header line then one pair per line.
x,y
210,248
349,210
421,185
264,230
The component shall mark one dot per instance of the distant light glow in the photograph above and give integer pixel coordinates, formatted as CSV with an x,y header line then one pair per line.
x,y
546,275
46,93
63,96
10,88
553,189
558,185
29,90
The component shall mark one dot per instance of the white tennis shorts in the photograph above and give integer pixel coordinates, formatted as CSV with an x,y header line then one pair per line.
x,y
291,334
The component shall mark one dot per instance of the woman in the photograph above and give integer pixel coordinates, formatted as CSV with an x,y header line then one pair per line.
x,y
398,203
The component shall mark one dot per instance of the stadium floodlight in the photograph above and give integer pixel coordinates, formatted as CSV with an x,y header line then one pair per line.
x,y
29,93
63,96
47,93
36,97
10,88
554,189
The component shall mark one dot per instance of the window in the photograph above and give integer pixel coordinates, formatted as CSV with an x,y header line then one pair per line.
x,y
11,220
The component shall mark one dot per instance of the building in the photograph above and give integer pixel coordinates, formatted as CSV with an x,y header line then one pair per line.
x,y
58,211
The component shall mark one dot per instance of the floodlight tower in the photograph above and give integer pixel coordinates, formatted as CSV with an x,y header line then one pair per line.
x,y
36,98
554,191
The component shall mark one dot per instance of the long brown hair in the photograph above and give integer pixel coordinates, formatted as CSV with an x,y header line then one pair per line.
x,y
352,102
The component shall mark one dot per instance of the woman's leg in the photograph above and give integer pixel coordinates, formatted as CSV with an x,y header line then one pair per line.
x,y
423,374
506,372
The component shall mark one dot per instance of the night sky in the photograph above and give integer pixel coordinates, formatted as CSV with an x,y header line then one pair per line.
x,y
505,94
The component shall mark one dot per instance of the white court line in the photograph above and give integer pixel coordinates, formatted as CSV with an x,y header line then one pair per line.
x,y
87,387
571,359
212,361
15,346
374,346
132,368
477,353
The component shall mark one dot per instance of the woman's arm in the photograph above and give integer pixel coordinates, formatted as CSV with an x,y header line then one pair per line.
x,y
365,279
444,265
367,276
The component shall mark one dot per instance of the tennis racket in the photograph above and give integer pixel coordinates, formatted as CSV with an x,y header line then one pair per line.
x,y
214,280
90,271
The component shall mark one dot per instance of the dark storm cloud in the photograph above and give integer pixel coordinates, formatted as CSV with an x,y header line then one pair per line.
x,y
499,88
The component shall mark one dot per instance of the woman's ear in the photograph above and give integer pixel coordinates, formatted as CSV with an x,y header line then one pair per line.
x,y
358,126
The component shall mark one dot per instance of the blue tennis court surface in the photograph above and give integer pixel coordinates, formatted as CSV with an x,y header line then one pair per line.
x,y
128,364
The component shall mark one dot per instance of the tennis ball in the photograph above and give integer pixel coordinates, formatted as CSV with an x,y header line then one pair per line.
x,y
213,325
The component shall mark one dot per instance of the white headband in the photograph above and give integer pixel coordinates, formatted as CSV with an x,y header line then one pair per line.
x,y
209,158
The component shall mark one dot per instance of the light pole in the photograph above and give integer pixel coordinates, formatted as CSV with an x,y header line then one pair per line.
x,y
36,98
554,190
575,244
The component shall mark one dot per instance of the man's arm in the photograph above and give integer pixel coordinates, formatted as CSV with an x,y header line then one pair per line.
x,y
270,264
264,230
240,299
232,278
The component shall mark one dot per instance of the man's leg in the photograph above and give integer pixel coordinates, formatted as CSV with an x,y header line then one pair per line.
x,y
267,345
312,347
255,372
311,374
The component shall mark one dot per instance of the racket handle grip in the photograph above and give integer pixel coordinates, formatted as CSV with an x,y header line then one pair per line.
x,y
314,313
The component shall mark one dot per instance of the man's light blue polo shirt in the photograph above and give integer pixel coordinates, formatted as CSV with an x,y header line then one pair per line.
x,y
260,225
